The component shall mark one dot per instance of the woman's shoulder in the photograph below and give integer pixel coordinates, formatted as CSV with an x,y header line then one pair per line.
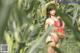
x,y
48,19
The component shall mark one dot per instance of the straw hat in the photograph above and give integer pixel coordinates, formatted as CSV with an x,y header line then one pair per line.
x,y
55,5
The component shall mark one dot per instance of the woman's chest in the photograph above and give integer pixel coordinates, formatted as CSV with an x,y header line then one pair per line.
x,y
55,23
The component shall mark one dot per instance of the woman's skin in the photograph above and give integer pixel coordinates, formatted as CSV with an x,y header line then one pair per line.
x,y
55,37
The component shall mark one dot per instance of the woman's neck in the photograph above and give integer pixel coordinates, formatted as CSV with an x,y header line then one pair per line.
x,y
52,16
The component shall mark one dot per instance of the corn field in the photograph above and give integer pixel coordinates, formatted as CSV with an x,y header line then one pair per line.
x,y
22,25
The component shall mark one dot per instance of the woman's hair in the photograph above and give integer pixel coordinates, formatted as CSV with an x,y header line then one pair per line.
x,y
49,8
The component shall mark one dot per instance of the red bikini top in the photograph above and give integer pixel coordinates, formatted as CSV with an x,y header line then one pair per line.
x,y
56,23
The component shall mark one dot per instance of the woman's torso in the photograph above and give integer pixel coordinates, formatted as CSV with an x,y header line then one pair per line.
x,y
54,22
56,26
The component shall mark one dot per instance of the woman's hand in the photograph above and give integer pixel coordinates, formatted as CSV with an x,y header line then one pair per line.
x,y
63,25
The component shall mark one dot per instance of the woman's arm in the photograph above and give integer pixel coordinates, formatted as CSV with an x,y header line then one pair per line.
x,y
46,24
63,24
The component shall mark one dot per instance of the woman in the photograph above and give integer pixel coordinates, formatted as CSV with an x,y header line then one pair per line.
x,y
57,31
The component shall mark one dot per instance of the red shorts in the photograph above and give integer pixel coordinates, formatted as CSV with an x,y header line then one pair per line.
x,y
60,32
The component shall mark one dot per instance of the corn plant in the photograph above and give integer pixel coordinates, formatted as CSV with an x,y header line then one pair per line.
x,y
22,25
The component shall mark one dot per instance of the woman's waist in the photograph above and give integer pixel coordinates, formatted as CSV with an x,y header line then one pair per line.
x,y
59,29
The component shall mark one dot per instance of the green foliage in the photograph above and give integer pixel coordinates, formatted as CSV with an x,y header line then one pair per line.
x,y
22,25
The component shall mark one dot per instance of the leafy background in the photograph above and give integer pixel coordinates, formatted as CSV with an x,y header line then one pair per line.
x,y
22,26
